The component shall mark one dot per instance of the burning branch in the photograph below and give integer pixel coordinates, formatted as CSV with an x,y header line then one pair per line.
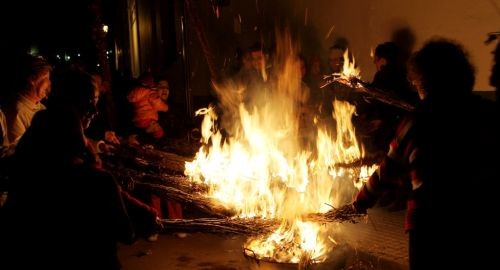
x,y
363,87
359,162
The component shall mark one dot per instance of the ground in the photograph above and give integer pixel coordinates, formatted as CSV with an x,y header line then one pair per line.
x,y
378,243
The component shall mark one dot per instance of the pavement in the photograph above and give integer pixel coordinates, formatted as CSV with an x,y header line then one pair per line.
x,y
377,242
381,234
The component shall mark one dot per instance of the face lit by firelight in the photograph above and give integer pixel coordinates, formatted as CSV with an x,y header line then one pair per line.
x,y
90,108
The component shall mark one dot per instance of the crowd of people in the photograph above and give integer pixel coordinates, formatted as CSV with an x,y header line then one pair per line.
x,y
442,157
52,173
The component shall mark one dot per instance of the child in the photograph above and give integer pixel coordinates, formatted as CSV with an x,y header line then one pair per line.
x,y
147,102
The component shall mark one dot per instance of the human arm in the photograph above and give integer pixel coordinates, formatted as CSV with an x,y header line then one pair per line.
x,y
93,152
6,148
157,103
110,137
17,128
144,217
395,164
124,229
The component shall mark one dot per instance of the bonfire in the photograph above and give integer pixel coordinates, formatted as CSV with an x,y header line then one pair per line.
x,y
255,162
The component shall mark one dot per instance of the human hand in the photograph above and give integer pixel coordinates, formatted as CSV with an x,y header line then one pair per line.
x,y
347,210
96,162
110,137
359,207
364,200
159,104
374,124
159,224
133,139
106,148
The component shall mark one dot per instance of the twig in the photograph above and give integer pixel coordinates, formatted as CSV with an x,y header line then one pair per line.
x,y
359,162
341,214
196,200
361,86
247,226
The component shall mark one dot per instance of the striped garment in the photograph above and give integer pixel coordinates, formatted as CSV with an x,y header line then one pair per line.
x,y
398,163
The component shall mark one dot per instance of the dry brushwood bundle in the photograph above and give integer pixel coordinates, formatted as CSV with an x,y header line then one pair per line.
x,y
149,175
147,159
252,226
196,201
173,162
175,181
132,164
140,167
345,213
127,177
245,226
368,161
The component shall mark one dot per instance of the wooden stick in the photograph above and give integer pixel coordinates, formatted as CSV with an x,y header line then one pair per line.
x,y
363,87
382,96
359,162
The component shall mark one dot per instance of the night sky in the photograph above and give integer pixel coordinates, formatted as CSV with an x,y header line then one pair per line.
x,y
54,29
51,26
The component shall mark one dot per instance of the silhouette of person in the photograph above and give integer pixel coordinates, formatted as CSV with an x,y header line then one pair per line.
x,y
56,183
449,146
495,69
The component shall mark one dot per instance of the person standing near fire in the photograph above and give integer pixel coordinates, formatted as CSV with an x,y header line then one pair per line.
x,y
104,125
495,70
382,119
5,150
391,78
32,86
148,99
449,146
75,203
339,91
4,140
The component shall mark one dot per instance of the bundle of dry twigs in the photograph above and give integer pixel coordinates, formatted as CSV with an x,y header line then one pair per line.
x,y
253,226
147,169
342,214
245,226
203,204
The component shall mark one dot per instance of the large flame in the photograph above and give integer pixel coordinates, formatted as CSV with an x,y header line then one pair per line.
x,y
260,167
291,243
349,70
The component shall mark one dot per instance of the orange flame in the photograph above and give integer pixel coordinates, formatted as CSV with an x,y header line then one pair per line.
x,y
262,170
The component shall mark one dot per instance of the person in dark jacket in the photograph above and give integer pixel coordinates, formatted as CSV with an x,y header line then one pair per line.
x,y
449,146
66,212
495,70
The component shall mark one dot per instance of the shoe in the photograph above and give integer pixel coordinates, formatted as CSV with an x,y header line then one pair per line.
x,y
153,237
158,226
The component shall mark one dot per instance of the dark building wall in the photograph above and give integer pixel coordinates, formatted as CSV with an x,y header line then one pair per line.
x,y
234,25
145,17
155,34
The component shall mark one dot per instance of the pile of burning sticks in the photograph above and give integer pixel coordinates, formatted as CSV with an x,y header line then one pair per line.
x,y
161,174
